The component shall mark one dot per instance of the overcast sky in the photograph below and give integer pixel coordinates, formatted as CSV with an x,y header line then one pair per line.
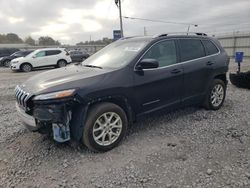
x,y
71,21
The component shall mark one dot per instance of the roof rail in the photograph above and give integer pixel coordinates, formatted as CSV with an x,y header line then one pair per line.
x,y
179,33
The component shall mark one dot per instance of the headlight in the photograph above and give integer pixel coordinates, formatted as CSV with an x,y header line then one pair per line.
x,y
14,62
55,95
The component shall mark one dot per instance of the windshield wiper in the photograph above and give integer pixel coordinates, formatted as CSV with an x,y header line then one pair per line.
x,y
92,66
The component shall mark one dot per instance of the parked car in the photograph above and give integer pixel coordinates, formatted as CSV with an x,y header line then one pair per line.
x,y
7,52
78,56
95,101
5,61
48,57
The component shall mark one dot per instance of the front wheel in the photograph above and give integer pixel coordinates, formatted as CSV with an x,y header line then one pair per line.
x,y
216,95
105,127
26,67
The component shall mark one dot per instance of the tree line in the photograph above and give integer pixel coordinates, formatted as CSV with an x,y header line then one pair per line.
x,y
12,38
104,41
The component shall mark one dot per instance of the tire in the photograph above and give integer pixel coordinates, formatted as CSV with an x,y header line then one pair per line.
x,y
215,95
26,67
241,80
6,63
93,129
61,63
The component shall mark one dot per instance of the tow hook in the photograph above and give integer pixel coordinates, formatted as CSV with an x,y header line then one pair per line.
x,y
61,131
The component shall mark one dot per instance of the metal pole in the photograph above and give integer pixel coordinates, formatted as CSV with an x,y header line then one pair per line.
x,y
120,12
188,29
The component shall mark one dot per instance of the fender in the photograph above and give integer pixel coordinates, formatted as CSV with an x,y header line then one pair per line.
x,y
80,113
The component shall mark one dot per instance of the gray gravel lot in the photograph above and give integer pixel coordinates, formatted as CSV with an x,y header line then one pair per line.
x,y
189,147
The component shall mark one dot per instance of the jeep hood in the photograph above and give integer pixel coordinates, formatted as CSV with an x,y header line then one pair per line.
x,y
73,76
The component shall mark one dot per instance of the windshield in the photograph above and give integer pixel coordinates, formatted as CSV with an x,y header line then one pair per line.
x,y
116,55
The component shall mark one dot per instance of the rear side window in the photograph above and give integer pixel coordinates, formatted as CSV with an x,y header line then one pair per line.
x,y
210,47
164,52
52,52
191,49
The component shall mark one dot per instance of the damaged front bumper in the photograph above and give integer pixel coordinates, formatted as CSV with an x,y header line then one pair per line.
x,y
47,117
28,120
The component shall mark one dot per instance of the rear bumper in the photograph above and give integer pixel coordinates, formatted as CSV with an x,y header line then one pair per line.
x,y
27,120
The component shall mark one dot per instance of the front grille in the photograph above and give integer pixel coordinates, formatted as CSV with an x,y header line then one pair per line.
x,y
21,96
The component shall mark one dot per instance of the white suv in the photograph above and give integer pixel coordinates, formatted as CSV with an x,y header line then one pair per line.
x,y
56,57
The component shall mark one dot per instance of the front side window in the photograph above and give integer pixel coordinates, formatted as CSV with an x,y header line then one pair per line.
x,y
40,54
164,52
191,49
210,47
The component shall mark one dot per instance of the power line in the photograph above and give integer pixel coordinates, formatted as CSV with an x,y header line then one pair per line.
x,y
166,22
159,21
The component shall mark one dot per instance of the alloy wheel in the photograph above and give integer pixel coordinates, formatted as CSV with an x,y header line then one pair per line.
x,y
217,95
107,128
26,68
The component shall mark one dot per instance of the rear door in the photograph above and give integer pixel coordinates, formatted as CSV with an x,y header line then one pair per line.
x,y
159,87
52,56
198,69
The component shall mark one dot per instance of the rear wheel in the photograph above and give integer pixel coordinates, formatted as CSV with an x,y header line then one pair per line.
x,y
216,95
61,63
26,67
105,127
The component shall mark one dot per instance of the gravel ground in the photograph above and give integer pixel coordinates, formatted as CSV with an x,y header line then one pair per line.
x,y
189,147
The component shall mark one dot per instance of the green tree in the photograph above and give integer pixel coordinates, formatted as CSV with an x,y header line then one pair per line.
x,y
29,40
13,38
47,41
10,38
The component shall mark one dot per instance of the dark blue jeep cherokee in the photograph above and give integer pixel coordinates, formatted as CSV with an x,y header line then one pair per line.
x,y
95,101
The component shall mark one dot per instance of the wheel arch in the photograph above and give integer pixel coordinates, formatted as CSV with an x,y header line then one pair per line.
x,y
20,66
222,77
61,60
78,118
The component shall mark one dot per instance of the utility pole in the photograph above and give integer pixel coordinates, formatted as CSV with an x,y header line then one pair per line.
x,y
188,29
118,4
195,25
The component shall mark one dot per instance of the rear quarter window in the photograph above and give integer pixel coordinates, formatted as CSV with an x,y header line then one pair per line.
x,y
210,47
191,49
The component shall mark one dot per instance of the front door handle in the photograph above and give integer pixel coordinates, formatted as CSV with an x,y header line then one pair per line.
x,y
175,71
210,63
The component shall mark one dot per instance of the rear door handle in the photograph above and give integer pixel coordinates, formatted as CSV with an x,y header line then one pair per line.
x,y
210,63
175,71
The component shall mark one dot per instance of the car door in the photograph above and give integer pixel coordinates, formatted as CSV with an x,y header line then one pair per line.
x,y
40,59
197,69
52,56
159,87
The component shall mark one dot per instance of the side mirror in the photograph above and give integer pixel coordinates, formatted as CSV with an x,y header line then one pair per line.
x,y
33,56
147,64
